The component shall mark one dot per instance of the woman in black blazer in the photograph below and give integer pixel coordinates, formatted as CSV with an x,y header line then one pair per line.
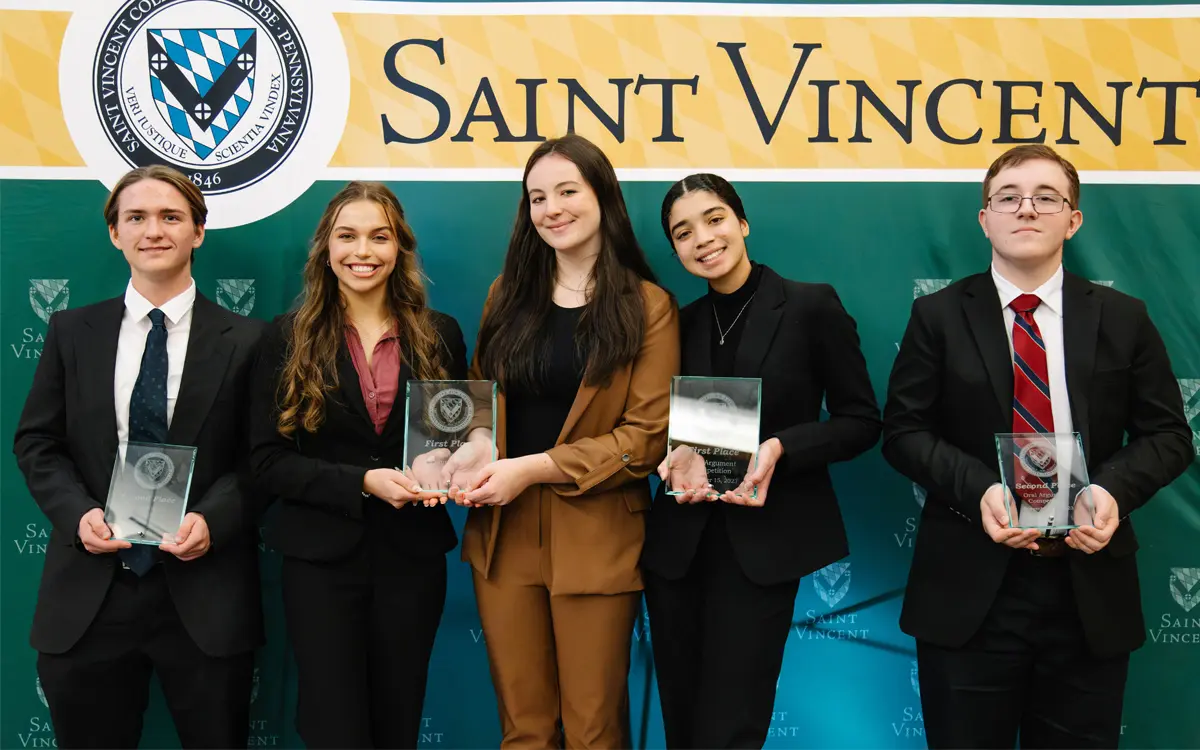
x,y
364,566
722,572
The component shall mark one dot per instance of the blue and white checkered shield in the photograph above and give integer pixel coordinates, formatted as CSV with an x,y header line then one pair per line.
x,y
202,81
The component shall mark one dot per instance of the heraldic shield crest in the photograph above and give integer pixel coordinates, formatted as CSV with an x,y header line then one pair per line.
x,y
236,295
202,81
1185,587
832,582
48,296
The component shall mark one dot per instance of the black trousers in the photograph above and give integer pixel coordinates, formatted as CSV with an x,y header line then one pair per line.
x,y
98,690
718,646
362,631
1026,674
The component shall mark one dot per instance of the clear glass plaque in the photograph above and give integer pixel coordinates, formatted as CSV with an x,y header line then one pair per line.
x,y
1045,479
444,418
148,493
712,435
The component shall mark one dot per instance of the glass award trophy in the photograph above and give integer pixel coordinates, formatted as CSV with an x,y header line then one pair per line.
x,y
444,418
1045,480
712,434
148,493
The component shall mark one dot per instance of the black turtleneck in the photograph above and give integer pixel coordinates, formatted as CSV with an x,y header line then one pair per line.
x,y
727,320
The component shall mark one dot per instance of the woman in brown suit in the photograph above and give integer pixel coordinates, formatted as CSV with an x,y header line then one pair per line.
x,y
583,344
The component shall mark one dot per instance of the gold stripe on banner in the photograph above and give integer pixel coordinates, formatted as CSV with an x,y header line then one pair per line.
x,y
771,92
749,92
32,129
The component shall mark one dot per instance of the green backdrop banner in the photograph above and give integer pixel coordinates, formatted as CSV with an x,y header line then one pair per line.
x,y
849,674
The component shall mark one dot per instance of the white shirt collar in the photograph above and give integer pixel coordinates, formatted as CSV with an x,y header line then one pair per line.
x,y
175,308
1050,293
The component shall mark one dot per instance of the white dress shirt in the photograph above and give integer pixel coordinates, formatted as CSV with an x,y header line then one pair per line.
x,y
131,343
1049,317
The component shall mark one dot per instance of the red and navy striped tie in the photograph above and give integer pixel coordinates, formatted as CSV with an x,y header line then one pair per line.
x,y
1031,393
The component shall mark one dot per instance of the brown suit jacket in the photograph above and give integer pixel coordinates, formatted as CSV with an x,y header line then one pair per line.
x,y
613,436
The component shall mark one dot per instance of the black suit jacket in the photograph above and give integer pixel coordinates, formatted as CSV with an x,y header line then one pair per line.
x,y
66,443
319,476
804,345
951,390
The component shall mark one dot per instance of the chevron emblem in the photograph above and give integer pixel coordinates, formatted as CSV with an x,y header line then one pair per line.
x,y
202,81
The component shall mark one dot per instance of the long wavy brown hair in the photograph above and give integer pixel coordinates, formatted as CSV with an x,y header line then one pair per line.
x,y
318,324
514,341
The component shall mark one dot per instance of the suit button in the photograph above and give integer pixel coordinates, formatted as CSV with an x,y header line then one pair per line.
x,y
625,457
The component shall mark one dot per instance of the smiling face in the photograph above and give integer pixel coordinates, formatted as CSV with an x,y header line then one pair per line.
x,y
1027,238
362,248
708,236
563,207
155,231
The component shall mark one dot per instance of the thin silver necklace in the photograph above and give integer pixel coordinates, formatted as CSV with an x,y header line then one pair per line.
x,y
722,334
571,288
372,333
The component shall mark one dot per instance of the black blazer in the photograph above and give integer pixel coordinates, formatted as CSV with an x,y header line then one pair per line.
x,y
804,345
319,476
951,390
66,443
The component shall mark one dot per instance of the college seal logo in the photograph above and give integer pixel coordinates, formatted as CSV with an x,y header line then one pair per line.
x,y
1037,458
153,470
1185,587
222,90
832,582
48,296
450,410
236,295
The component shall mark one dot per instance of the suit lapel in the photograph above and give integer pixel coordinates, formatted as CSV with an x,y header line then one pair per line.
x,y
762,319
583,398
1081,324
98,355
351,388
981,304
395,418
204,368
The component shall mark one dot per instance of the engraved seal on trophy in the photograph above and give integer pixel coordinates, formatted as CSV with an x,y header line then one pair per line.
x,y
450,410
153,470
715,403
1037,457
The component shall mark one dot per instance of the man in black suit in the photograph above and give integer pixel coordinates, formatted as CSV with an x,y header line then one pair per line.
x,y
1020,632
160,364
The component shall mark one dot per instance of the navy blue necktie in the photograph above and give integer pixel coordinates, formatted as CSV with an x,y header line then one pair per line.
x,y
148,418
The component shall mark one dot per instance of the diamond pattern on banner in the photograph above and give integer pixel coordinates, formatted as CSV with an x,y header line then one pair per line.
x,y
201,57
868,57
33,131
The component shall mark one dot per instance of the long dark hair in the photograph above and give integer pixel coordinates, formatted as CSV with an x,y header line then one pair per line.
x,y
702,181
319,323
514,341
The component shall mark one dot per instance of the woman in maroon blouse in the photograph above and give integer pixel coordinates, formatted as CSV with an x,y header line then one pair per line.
x,y
364,570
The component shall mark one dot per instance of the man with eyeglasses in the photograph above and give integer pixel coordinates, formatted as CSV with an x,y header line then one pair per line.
x,y
1020,632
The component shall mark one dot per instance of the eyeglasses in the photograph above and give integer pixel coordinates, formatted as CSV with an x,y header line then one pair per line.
x,y
1043,203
